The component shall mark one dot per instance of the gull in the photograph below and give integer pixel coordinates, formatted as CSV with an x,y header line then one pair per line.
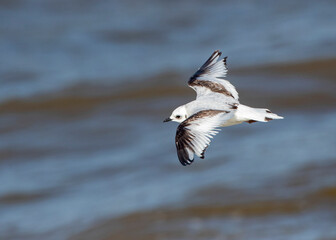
x,y
216,105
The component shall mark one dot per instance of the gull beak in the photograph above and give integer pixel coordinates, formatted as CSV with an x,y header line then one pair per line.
x,y
167,120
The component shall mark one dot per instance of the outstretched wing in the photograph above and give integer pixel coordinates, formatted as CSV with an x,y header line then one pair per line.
x,y
208,80
194,134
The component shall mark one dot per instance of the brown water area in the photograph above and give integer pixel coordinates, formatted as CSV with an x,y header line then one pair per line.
x,y
85,86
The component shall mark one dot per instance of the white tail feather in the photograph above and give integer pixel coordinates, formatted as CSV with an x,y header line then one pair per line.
x,y
246,114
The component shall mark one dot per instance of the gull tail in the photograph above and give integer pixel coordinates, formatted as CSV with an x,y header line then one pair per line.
x,y
251,115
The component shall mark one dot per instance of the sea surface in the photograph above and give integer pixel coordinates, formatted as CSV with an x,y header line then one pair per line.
x,y
85,86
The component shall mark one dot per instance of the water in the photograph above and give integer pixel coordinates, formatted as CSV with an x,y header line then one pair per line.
x,y
84,89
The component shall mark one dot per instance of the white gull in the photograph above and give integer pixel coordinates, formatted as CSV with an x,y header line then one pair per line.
x,y
216,105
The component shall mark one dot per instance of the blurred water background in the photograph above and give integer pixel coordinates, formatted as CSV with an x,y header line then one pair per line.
x,y
85,86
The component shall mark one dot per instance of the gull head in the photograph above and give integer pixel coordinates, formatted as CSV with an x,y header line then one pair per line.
x,y
178,115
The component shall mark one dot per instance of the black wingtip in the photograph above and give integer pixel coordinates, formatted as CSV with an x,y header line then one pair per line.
x,y
218,52
183,156
202,154
215,54
224,60
185,161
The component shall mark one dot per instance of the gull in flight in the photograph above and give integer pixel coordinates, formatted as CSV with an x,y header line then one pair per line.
x,y
216,105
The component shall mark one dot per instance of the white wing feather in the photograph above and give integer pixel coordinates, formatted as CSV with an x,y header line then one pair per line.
x,y
194,134
213,70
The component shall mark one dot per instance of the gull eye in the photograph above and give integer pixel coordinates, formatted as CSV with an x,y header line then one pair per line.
x,y
178,116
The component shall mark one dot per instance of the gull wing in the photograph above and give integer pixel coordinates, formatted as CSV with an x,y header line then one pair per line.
x,y
208,80
194,134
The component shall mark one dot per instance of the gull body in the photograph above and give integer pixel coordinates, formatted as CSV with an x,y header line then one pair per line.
x,y
216,105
